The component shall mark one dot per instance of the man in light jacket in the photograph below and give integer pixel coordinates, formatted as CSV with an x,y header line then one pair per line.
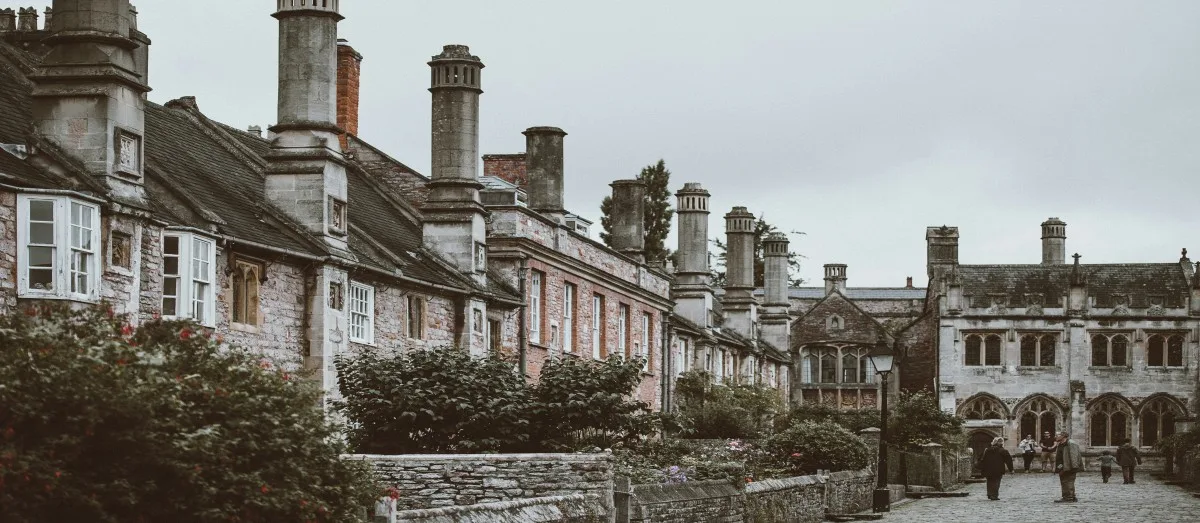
x,y
1068,461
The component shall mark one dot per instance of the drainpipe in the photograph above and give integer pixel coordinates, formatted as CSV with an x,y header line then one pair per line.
x,y
522,336
667,373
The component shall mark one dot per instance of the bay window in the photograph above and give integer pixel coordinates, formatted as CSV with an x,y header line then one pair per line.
x,y
58,238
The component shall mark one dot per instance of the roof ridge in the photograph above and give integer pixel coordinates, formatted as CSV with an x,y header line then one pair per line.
x,y
386,156
403,207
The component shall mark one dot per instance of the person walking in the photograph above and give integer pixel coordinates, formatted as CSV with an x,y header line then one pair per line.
x,y
1128,458
1106,463
1048,448
1068,461
993,463
1028,448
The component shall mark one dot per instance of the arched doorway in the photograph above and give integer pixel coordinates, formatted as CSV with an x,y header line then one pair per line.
x,y
979,441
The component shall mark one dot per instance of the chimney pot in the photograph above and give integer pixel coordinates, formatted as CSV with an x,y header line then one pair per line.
x,y
27,19
255,130
835,278
1054,242
8,19
908,283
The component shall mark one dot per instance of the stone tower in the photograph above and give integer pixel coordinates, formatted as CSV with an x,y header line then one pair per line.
x,y
941,253
1054,242
738,303
692,292
306,174
628,218
835,278
88,96
544,168
453,215
775,318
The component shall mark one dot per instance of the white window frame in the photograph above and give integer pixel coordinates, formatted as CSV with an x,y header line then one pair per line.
x,y
597,324
63,227
623,330
535,307
361,308
568,320
185,300
646,340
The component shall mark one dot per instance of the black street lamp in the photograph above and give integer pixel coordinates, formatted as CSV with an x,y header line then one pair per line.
x,y
882,359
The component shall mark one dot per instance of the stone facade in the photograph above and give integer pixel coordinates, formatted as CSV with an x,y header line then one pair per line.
x,y
441,480
717,501
575,508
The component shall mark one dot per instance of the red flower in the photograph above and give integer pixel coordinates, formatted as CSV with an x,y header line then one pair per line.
x,y
304,503
795,454
185,334
265,489
126,330
122,361
31,311
286,376
58,473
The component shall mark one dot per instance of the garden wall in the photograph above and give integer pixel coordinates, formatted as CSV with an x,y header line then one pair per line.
x,y
575,508
444,480
800,498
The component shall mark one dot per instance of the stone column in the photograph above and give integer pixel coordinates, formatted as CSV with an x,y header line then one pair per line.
x,y
933,452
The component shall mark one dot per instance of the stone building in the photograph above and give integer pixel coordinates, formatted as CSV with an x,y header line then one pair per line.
x,y
1105,351
309,241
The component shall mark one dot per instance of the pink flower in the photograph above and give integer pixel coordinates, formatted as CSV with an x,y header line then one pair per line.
x,y
185,334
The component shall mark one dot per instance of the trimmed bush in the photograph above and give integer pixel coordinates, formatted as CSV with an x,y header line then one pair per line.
x,y
809,446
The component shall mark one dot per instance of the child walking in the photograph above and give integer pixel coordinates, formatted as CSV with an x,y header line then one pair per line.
x,y
1106,464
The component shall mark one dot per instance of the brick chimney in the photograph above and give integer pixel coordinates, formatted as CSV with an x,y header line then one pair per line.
x,y
544,161
628,218
87,96
349,66
507,167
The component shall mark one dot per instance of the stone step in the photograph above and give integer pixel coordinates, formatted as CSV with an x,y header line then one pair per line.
x,y
853,517
942,494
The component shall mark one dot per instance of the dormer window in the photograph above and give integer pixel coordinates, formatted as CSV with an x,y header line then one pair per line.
x,y
129,153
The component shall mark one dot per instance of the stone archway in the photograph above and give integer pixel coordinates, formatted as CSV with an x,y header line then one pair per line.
x,y
979,440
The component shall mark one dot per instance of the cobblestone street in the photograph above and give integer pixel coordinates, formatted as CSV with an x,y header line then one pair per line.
x,y
1030,497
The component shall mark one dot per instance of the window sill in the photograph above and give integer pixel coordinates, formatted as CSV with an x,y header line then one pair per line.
x,y
244,327
1110,368
867,386
362,342
1039,368
34,295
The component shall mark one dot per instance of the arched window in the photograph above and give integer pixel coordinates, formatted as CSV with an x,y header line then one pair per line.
x,y
1037,350
1038,417
1157,421
1164,350
244,283
1108,422
808,366
1110,350
982,407
829,366
983,349
850,367
823,364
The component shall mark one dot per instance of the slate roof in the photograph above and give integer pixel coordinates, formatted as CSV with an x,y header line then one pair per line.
x,y
857,293
207,175
1139,281
858,326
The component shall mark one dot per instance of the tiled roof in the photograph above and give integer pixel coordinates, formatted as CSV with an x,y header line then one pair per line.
x,y
857,293
1136,280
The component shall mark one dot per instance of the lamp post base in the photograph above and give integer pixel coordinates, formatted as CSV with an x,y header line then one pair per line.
x,y
882,500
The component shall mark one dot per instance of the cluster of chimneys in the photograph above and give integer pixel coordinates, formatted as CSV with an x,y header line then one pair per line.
x,y
23,19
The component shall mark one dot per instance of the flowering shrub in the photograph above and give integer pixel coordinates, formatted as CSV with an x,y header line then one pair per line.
x,y
711,411
677,461
101,421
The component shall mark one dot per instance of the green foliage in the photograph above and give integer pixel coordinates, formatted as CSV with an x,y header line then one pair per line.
x,y
1179,444
676,461
711,411
445,400
657,220
854,420
916,420
587,402
432,401
809,446
100,421
761,230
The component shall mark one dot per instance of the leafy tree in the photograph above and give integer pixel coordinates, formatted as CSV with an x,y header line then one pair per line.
x,y
915,420
657,221
432,401
761,230
587,402
854,420
711,411
101,421
809,446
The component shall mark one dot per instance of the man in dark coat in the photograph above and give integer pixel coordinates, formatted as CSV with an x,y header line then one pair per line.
x,y
995,460
1127,458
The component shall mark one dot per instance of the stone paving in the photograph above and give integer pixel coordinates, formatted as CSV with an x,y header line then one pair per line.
x,y
1030,497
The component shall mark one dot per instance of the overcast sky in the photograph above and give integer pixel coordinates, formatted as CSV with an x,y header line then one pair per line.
x,y
858,123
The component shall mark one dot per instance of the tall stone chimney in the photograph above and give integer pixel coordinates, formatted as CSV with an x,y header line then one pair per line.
x,y
739,304
1054,242
628,218
544,166
775,318
88,97
349,65
692,290
835,278
941,245
141,55
306,174
453,216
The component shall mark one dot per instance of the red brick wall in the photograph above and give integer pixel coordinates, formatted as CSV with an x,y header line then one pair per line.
x,y
508,167
349,64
